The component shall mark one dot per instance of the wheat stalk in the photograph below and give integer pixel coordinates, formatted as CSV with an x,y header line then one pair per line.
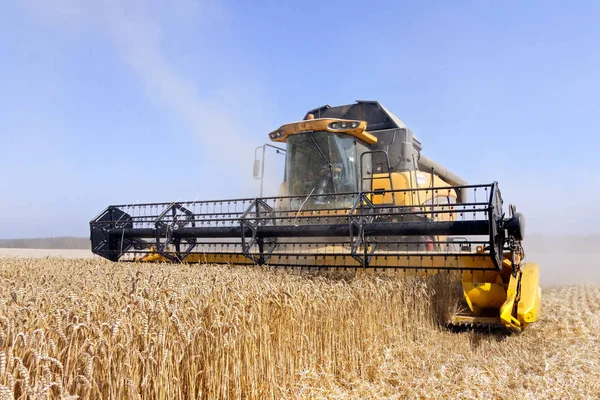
x,y
86,328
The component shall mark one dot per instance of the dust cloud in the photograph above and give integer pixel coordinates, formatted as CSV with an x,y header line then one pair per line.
x,y
138,33
565,260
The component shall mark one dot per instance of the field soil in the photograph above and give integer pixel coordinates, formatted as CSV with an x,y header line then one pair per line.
x,y
100,330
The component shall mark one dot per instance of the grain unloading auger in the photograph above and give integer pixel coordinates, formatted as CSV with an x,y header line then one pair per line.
x,y
349,199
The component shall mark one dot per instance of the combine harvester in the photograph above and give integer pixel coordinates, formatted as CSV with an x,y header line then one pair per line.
x,y
350,198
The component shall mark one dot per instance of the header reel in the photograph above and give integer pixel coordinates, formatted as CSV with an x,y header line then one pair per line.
x,y
336,230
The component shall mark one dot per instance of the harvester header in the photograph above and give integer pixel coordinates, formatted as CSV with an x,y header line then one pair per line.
x,y
350,198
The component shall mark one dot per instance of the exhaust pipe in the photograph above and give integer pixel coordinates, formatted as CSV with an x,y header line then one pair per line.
x,y
427,164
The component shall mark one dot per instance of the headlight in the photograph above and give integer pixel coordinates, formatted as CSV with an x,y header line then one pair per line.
x,y
276,134
343,125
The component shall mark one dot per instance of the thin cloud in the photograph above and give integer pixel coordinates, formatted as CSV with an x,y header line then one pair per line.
x,y
136,30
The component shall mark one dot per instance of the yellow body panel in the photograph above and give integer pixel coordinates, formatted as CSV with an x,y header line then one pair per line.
x,y
380,260
484,295
507,311
530,300
408,180
517,299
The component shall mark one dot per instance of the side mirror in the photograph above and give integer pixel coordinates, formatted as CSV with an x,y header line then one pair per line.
x,y
256,169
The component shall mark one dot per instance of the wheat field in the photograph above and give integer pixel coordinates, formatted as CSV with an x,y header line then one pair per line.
x,y
92,329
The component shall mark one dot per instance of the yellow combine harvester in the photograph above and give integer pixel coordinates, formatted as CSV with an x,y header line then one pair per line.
x,y
357,193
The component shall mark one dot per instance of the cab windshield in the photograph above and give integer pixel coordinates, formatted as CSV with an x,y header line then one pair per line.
x,y
321,163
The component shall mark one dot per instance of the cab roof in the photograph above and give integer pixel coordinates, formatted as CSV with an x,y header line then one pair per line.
x,y
374,114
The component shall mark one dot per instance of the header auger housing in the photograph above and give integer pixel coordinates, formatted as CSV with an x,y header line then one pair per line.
x,y
350,199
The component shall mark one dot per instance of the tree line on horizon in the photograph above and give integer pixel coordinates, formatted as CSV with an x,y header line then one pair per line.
x,y
62,242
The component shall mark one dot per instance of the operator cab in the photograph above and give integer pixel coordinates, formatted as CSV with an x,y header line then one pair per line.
x,y
326,159
324,163
330,153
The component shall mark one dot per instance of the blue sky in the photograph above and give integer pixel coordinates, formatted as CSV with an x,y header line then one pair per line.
x,y
115,102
